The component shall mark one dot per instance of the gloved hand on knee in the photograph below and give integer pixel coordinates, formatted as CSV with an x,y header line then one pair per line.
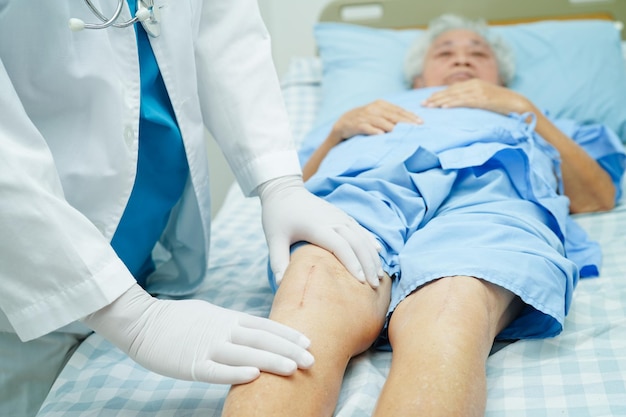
x,y
291,213
196,340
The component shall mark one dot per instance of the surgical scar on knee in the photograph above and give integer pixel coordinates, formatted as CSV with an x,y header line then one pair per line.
x,y
306,284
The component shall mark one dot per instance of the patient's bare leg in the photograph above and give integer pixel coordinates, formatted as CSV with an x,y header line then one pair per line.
x,y
441,336
341,316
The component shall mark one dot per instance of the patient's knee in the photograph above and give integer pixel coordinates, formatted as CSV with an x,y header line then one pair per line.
x,y
458,304
312,268
315,279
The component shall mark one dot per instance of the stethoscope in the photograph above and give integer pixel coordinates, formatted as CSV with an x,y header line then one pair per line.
x,y
147,14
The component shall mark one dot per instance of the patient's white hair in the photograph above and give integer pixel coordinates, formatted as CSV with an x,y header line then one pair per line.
x,y
414,62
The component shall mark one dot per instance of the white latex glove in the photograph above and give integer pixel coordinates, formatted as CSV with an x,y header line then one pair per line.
x,y
291,214
196,340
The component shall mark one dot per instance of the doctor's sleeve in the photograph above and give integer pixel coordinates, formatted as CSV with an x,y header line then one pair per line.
x,y
240,94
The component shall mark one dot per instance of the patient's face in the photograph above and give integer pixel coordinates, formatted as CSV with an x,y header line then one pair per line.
x,y
458,55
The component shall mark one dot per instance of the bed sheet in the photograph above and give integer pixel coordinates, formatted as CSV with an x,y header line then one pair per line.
x,y
579,373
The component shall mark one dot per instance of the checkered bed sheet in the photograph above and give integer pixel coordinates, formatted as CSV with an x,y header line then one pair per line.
x,y
580,373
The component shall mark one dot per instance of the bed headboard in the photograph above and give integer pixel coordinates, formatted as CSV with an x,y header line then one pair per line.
x,y
414,13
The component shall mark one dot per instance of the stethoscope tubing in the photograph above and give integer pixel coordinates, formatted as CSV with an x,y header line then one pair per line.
x,y
147,15
107,22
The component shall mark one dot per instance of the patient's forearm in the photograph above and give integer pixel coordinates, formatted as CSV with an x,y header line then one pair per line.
x,y
588,186
586,183
318,156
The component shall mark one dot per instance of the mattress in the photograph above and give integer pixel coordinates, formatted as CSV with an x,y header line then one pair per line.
x,y
579,373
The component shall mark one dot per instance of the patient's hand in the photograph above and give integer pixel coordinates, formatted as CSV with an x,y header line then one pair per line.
x,y
375,118
479,94
372,119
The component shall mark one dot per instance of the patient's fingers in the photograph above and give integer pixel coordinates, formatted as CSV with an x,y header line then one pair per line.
x,y
478,94
374,118
377,125
450,97
396,114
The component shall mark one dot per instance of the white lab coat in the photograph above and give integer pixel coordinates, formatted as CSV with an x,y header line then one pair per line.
x,y
69,115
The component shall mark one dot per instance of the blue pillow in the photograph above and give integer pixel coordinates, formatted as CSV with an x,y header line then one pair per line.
x,y
359,64
572,69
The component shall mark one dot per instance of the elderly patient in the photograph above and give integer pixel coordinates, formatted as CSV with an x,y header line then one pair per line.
x,y
468,188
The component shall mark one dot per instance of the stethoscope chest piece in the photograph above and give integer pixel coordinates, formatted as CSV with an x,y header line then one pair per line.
x,y
152,25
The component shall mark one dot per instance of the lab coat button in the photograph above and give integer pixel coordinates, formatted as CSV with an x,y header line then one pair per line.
x,y
129,135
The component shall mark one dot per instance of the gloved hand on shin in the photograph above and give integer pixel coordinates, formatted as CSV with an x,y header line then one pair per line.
x,y
196,340
291,214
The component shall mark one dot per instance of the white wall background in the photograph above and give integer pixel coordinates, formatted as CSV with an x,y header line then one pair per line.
x,y
290,23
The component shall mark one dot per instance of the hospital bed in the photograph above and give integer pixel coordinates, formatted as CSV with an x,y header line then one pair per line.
x,y
579,373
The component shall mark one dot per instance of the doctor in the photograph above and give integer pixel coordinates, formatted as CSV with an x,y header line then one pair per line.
x,y
104,188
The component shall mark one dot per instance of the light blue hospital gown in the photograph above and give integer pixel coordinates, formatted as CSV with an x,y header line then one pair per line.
x,y
474,193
